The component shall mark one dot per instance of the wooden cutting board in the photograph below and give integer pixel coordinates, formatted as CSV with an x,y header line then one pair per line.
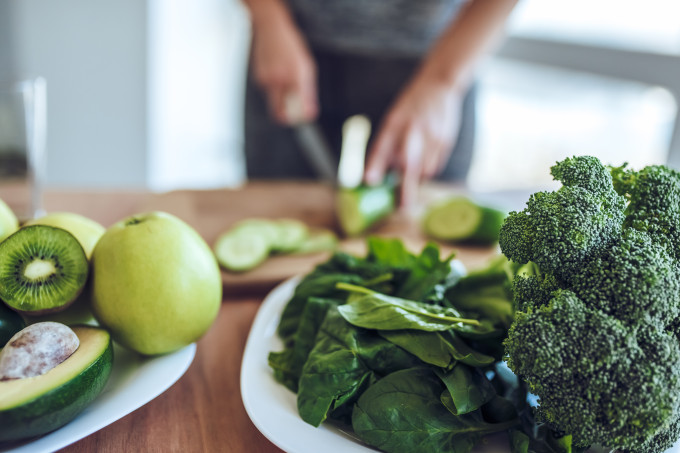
x,y
312,203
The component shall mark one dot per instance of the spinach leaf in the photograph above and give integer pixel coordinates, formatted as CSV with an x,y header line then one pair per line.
x,y
545,441
402,413
467,389
379,311
425,272
314,285
282,364
441,349
343,363
287,364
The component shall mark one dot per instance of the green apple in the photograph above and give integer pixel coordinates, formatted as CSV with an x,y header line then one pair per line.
x,y
87,231
8,221
156,284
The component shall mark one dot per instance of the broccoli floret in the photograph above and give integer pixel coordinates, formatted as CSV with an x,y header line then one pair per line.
x,y
559,230
533,291
662,441
594,377
655,188
654,202
584,171
634,280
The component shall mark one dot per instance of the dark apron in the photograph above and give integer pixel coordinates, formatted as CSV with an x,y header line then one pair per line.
x,y
348,85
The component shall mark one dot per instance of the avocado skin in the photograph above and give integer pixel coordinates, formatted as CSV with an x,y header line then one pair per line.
x,y
10,323
55,408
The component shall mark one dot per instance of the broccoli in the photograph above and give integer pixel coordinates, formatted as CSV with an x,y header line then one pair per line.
x,y
597,326
634,279
654,202
596,378
533,291
559,230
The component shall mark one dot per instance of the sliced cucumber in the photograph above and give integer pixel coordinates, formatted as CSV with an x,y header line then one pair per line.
x,y
321,240
460,219
37,405
361,208
264,228
291,234
242,249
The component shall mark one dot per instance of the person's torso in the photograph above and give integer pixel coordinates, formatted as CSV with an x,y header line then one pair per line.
x,y
382,27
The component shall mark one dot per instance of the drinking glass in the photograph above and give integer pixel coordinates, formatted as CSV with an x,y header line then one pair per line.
x,y
23,124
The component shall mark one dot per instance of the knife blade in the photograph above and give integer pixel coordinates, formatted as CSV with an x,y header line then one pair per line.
x,y
311,139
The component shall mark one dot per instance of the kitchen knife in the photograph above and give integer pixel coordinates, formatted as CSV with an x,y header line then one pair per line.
x,y
311,140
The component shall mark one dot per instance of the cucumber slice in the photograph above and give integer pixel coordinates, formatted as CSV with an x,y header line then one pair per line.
x,y
265,228
460,219
321,240
291,234
361,208
33,406
241,249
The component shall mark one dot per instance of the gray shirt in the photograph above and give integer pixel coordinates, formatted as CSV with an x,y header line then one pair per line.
x,y
374,27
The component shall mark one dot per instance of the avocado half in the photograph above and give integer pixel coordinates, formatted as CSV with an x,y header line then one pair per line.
x,y
34,406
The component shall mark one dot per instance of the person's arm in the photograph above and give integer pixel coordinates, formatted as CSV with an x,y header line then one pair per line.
x,y
282,63
419,130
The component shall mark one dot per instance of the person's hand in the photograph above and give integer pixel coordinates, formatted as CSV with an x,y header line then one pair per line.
x,y
284,68
416,136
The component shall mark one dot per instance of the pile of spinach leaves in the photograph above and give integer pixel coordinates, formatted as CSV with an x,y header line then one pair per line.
x,y
408,352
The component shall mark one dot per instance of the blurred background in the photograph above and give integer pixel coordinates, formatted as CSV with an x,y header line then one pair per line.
x,y
149,94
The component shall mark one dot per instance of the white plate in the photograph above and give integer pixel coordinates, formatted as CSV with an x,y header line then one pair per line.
x,y
134,381
272,407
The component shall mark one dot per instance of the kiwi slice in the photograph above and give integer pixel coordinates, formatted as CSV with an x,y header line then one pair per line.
x,y
42,269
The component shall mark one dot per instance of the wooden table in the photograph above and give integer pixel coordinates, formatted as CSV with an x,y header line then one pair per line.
x,y
203,410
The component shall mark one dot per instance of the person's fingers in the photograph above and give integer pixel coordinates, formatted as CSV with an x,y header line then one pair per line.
x,y
433,158
412,163
307,89
380,154
278,103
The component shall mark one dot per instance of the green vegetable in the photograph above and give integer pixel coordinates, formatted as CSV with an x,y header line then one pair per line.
x,y
288,363
377,311
596,332
380,420
488,291
290,235
250,242
320,240
344,362
34,406
10,323
241,250
467,389
442,349
460,219
359,209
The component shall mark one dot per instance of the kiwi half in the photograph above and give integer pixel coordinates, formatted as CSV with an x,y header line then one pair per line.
x,y
42,269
